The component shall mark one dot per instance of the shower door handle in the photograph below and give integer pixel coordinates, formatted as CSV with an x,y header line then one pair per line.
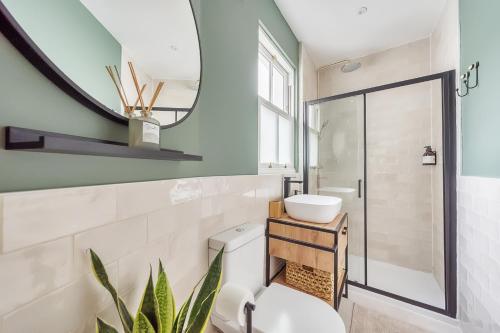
x,y
359,188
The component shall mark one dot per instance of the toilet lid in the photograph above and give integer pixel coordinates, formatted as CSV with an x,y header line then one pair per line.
x,y
280,309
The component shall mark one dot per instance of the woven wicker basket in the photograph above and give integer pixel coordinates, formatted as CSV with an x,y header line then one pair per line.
x,y
313,281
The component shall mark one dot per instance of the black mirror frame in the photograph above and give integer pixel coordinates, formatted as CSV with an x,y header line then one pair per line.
x,y
13,31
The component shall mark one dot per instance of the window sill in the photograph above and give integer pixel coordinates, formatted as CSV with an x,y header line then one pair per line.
x,y
278,171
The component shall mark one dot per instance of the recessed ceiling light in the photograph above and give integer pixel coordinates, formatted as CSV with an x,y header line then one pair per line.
x,y
173,48
363,10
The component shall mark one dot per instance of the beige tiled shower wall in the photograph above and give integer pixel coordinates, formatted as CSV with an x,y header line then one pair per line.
x,y
397,64
400,122
399,197
45,280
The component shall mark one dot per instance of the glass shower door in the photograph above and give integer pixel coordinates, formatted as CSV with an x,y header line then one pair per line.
x,y
336,166
404,202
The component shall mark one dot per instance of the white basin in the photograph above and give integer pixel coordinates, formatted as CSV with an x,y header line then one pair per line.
x,y
313,208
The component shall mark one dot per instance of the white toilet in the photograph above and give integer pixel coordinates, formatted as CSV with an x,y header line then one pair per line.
x,y
279,309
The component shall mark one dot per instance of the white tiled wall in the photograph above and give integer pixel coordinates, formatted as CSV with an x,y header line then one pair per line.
x,y
45,280
479,254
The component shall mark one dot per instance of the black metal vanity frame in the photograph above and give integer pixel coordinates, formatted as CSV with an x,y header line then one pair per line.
x,y
448,84
344,223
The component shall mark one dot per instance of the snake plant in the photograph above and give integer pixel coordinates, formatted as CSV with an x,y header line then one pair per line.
x,y
157,312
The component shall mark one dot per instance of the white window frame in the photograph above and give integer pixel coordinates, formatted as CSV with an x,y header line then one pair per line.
x,y
271,51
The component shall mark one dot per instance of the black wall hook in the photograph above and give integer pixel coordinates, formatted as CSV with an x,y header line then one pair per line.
x,y
476,68
465,79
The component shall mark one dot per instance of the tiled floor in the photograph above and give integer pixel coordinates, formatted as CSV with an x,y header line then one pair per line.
x,y
358,319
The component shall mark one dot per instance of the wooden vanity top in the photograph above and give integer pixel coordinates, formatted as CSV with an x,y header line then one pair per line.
x,y
333,226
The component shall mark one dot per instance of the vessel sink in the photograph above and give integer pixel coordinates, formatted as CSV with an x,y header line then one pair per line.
x,y
313,208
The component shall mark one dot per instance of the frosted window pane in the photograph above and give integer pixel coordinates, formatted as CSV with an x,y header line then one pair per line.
x,y
264,84
313,149
268,136
313,117
278,89
285,141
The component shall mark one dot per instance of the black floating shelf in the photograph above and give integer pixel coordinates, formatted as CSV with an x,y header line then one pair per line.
x,y
24,139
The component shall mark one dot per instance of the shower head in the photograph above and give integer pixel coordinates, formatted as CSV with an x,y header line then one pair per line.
x,y
350,67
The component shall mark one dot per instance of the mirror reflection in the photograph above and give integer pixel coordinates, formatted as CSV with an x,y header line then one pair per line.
x,y
81,37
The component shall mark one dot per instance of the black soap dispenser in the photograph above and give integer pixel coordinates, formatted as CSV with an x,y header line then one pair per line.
x,y
429,157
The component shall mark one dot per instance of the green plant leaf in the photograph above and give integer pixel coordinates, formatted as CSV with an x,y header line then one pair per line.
x,y
142,325
149,305
202,307
180,320
166,301
101,276
102,327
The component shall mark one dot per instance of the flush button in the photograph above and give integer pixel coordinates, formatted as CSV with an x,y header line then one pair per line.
x,y
240,229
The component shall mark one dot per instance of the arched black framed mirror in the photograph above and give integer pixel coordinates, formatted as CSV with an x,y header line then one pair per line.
x,y
71,42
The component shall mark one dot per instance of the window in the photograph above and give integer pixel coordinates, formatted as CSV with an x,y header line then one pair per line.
x,y
276,107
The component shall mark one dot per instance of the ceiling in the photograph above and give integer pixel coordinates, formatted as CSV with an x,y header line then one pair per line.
x,y
159,35
332,30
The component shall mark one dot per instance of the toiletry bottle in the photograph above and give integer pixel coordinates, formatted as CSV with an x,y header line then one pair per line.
x,y
429,157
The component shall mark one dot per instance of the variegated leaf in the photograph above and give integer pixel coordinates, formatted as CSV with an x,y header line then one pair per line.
x,y
166,301
180,320
202,307
142,325
101,276
102,327
149,305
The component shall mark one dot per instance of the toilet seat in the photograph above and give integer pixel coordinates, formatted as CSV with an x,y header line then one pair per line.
x,y
280,309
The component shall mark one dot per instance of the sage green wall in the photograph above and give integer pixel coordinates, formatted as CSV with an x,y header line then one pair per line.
x,y
223,127
228,116
480,25
81,49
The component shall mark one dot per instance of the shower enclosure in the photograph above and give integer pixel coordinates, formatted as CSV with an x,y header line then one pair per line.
x,y
367,148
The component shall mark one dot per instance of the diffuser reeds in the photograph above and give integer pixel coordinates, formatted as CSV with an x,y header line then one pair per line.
x,y
129,109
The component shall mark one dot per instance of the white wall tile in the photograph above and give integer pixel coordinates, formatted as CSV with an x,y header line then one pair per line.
x,y
34,217
478,248
130,226
212,186
173,219
110,242
33,272
184,190
135,199
70,309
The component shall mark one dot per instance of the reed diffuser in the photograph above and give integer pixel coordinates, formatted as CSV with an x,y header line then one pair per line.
x,y
143,130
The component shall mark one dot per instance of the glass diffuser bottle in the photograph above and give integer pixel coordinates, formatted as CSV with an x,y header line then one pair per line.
x,y
144,132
